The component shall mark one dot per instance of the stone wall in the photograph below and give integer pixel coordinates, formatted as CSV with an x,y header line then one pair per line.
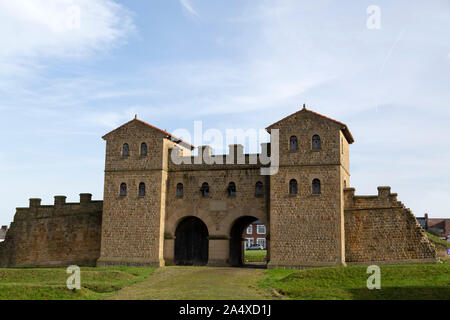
x,y
59,235
133,225
306,229
380,230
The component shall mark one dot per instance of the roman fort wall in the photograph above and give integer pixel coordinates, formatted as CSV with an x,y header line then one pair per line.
x,y
381,230
305,228
54,235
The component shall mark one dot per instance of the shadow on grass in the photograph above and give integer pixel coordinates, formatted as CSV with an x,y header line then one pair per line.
x,y
401,293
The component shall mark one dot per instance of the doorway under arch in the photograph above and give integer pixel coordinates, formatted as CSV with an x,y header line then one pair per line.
x,y
237,242
191,242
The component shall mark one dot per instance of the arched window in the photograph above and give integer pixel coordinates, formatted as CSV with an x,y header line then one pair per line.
x,y
345,184
179,192
126,150
293,187
316,144
141,189
259,189
293,143
205,189
316,186
123,189
232,189
143,149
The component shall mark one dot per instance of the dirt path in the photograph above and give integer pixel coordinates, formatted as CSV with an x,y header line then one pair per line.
x,y
180,283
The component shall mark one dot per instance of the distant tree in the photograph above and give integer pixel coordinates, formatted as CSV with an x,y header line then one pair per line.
x,y
434,231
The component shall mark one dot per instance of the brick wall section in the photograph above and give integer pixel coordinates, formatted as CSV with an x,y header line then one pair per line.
x,y
57,235
380,230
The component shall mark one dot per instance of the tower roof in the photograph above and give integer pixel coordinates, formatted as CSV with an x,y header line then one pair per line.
x,y
168,134
344,128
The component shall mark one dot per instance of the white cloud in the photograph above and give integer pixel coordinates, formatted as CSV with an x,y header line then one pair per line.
x,y
42,28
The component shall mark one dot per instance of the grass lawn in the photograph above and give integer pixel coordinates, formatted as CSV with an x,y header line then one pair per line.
x,y
50,283
255,255
430,281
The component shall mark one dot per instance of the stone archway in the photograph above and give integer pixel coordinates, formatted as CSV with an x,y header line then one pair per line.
x,y
191,242
236,258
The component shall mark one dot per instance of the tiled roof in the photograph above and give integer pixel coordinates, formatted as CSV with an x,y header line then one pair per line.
x,y
344,127
169,135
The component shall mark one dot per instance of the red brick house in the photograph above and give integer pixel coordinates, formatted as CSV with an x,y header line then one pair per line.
x,y
255,234
441,224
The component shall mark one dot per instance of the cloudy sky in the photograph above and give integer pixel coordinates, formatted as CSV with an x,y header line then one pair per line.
x,y
72,70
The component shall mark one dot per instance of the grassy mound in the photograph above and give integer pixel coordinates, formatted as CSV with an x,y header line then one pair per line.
x,y
438,242
397,282
50,283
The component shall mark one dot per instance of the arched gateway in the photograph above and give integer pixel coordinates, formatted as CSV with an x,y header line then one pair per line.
x,y
237,247
191,242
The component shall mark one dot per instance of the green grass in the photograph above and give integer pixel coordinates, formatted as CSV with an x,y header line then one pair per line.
x,y
429,281
50,283
438,242
397,282
255,255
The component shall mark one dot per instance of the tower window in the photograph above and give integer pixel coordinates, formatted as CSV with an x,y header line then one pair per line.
x,y
205,189
126,150
293,187
141,189
316,144
316,186
143,149
232,189
293,143
179,192
259,189
123,189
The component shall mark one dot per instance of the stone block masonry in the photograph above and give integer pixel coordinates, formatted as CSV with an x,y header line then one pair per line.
x,y
54,235
381,230
157,211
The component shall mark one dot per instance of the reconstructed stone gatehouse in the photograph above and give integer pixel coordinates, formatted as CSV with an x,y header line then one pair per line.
x,y
156,212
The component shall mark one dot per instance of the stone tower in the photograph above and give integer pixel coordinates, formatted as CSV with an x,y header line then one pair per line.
x,y
134,210
306,196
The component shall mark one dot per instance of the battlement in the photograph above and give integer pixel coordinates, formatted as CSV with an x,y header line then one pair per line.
x,y
59,208
384,199
234,159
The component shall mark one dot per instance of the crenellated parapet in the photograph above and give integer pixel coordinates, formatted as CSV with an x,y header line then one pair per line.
x,y
60,207
384,199
234,159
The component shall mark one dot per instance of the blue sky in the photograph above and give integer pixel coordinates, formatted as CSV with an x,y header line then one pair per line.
x,y
231,64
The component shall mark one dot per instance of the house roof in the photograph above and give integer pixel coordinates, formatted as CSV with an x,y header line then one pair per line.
x,y
344,127
168,134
